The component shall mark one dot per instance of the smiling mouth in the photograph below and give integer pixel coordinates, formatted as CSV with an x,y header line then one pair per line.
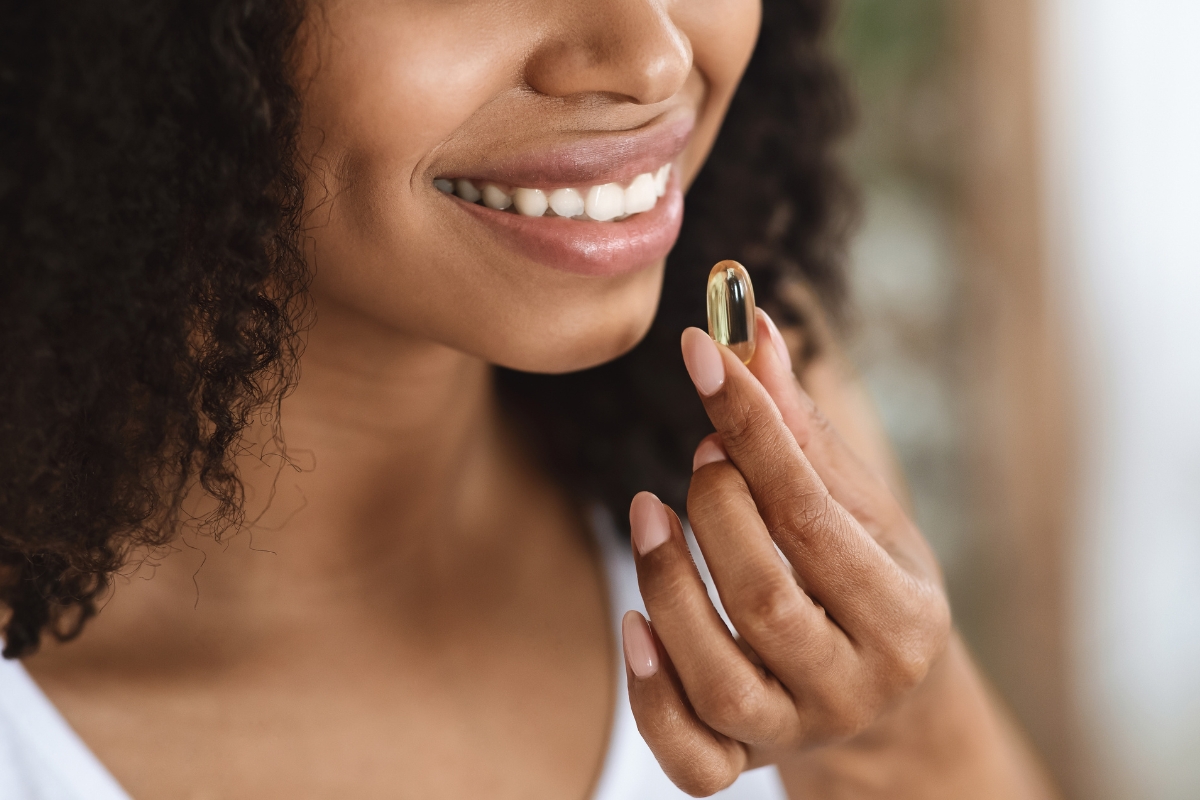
x,y
554,201
605,202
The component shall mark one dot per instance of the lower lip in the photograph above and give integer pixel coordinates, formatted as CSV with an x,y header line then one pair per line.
x,y
583,247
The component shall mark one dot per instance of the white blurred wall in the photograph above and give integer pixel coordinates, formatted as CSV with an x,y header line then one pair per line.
x,y
1122,113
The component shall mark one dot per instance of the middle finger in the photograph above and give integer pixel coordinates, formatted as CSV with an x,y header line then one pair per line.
x,y
792,635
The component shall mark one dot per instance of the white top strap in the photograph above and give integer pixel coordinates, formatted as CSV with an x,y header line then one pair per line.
x,y
41,756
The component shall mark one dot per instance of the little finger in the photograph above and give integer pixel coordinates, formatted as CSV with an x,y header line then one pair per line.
x,y
696,758
728,692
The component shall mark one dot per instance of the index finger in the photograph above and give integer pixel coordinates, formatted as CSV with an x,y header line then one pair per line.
x,y
840,564
856,487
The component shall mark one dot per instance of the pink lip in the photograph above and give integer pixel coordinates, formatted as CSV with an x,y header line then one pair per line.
x,y
580,246
610,157
585,247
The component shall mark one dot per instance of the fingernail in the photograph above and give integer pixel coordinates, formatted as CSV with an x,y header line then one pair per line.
x,y
640,653
781,347
703,361
648,522
709,451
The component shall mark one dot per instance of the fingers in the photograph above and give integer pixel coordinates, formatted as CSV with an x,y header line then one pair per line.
x,y
790,634
841,566
853,628
696,758
838,684
726,690
849,480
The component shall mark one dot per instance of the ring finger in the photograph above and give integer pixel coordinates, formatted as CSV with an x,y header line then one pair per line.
x,y
792,635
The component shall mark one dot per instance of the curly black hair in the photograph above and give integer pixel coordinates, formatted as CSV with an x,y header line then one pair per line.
x,y
153,287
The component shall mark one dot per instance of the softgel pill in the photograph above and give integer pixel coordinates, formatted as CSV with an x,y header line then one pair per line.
x,y
731,319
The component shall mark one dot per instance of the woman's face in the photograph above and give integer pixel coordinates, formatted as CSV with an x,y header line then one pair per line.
x,y
560,104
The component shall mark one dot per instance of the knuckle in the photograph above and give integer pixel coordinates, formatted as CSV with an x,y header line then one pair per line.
x,y
816,514
846,714
853,720
770,612
667,592
939,620
707,778
781,489
820,512
821,652
821,426
912,651
730,705
813,424
743,424
905,665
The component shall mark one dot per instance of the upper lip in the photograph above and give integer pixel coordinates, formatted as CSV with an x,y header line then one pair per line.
x,y
591,159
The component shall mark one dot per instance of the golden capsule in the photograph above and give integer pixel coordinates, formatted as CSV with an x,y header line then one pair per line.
x,y
731,309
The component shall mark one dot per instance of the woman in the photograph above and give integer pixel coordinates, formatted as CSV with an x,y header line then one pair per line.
x,y
304,307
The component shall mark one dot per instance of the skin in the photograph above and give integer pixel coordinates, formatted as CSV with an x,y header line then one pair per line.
x,y
411,588
846,673
394,100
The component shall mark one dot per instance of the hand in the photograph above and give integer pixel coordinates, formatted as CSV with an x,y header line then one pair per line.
x,y
830,640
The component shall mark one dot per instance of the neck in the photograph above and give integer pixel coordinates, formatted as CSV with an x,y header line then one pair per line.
x,y
388,429
400,527
395,483
398,457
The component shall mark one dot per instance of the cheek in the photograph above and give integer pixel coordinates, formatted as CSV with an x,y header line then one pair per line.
x,y
722,34
383,86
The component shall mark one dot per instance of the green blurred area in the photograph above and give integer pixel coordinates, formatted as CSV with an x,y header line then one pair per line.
x,y
891,42
905,266
899,57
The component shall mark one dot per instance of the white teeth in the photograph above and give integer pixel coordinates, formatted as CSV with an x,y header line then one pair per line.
x,y
604,202
495,197
640,195
466,190
660,179
567,202
530,202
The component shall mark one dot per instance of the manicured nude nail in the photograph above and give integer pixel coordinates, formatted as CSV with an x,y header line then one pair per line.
x,y
703,361
648,523
640,652
709,451
781,347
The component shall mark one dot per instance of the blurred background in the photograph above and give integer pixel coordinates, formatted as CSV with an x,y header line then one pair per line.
x,y
1027,280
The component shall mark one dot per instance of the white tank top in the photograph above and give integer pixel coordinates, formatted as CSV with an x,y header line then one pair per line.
x,y
42,758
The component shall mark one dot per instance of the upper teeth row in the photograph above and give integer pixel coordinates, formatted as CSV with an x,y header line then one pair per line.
x,y
608,201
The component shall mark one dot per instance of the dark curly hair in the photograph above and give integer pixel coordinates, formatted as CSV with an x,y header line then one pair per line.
x,y
153,287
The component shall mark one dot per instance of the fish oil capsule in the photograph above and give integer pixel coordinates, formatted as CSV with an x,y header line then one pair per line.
x,y
731,319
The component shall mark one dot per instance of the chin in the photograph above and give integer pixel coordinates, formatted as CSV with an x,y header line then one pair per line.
x,y
583,338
